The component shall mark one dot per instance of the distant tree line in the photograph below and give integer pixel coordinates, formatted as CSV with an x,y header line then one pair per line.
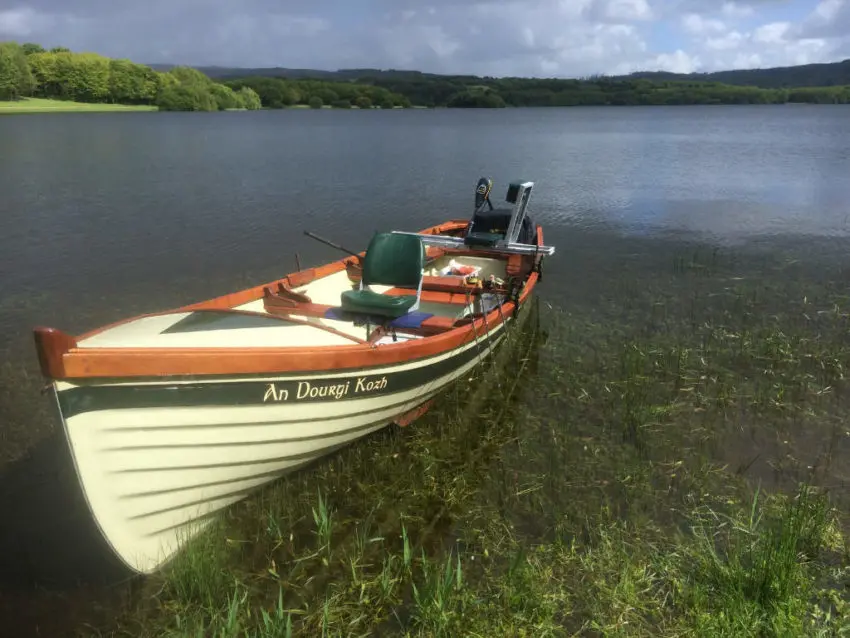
x,y
278,93
782,77
28,70
789,77
466,91
403,88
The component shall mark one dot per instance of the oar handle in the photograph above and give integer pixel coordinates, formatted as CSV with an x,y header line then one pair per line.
x,y
332,244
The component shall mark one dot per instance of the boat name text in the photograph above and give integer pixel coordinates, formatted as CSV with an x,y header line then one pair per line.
x,y
308,390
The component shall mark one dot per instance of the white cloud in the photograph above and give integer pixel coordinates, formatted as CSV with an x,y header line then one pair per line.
x,y
748,42
567,38
747,61
727,42
20,22
772,33
678,62
734,10
612,11
696,24
830,19
417,41
828,9
628,10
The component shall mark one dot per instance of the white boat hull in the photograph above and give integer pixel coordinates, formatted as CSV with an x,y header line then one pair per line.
x,y
156,460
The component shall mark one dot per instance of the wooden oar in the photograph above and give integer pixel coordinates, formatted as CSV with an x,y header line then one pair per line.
x,y
333,245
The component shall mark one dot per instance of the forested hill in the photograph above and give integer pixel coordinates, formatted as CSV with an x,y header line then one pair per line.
x,y
822,84
807,75
28,70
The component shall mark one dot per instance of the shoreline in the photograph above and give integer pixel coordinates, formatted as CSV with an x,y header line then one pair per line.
x,y
42,105
45,105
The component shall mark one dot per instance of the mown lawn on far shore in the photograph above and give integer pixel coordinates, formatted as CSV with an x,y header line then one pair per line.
x,y
41,105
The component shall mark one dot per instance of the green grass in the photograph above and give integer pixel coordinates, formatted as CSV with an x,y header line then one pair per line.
x,y
328,106
663,457
40,105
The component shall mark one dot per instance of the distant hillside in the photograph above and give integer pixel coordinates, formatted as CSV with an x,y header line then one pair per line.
x,y
807,75
279,87
781,77
341,75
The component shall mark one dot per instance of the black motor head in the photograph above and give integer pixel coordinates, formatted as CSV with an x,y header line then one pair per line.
x,y
482,192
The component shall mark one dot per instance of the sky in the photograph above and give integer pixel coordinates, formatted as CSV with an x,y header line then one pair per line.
x,y
532,38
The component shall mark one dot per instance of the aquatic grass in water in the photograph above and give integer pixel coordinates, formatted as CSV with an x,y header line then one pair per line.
x,y
670,462
322,517
759,579
198,578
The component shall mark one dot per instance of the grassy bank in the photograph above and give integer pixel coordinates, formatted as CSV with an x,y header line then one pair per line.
x,y
667,457
40,105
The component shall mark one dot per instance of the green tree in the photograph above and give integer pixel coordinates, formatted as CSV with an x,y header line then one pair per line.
x,y
249,98
274,93
46,75
476,99
165,81
83,77
131,83
363,102
316,102
224,97
186,97
16,79
189,76
329,96
387,103
30,48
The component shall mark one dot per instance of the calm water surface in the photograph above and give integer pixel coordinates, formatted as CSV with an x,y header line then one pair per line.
x,y
101,209
105,215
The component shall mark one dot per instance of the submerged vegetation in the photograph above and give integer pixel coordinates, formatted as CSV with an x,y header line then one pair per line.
x,y
664,457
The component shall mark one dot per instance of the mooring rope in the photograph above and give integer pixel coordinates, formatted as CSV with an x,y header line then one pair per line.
x,y
502,314
477,454
474,330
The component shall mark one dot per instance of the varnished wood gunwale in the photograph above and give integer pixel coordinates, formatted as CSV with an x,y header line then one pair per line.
x,y
51,345
292,280
62,358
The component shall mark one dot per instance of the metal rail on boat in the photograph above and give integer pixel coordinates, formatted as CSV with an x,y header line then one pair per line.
x,y
519,194
443,241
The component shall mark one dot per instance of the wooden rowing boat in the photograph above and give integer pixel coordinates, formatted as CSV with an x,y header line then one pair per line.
x,y
174,415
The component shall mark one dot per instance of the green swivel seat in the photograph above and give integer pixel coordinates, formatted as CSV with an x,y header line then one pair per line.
x,y
391,260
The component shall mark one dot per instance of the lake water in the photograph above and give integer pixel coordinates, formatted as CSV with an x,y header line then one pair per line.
x,y
106,215
102,212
